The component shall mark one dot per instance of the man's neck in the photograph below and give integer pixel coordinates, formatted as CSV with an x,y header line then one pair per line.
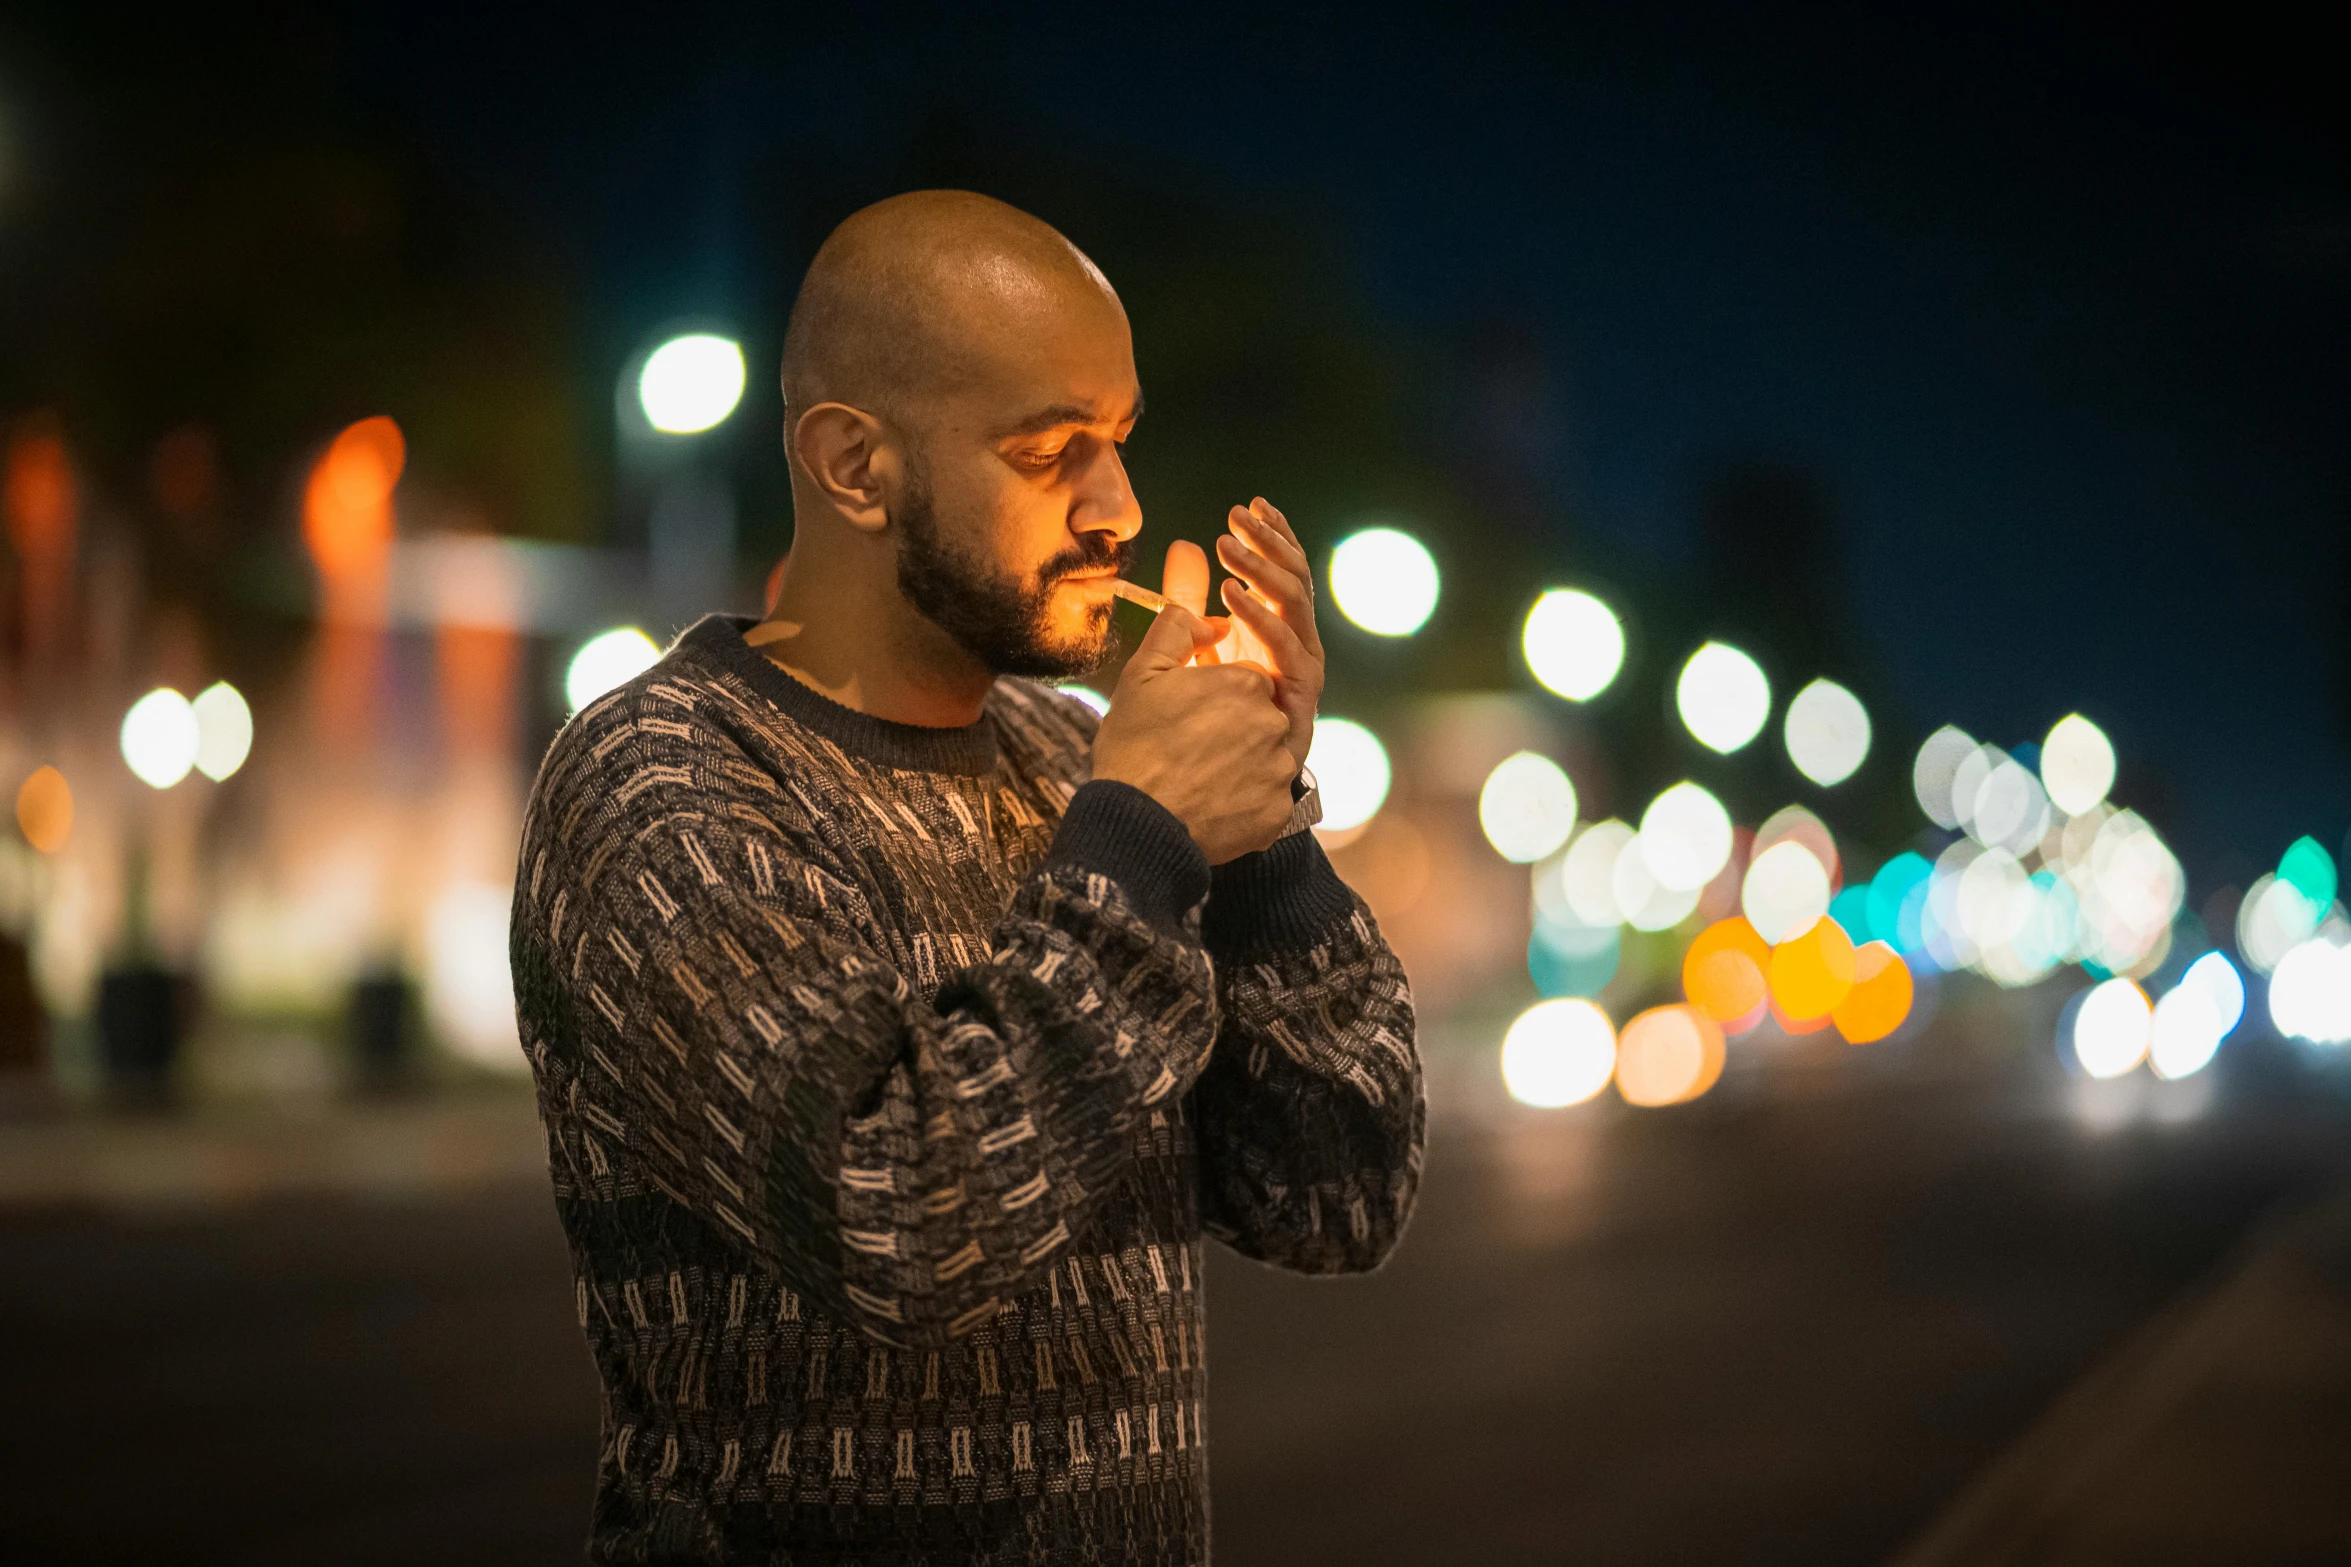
x,y
872,654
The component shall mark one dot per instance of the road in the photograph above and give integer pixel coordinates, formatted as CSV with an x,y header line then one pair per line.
x,y
1783,1324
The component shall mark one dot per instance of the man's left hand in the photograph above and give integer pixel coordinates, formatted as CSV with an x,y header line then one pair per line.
x,y
1277,606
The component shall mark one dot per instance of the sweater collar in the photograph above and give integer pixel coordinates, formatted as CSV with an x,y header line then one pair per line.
x,y
969,750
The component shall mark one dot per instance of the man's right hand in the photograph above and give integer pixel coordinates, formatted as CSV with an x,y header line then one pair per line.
x,y
1206,743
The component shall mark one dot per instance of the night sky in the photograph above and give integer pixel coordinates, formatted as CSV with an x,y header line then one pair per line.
x,y
2059,317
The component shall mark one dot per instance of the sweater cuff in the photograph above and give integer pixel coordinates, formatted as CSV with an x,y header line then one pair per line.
x,y
1117,831
1286,898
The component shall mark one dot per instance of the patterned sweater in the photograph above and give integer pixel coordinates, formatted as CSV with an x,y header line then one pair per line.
x,y
891,1077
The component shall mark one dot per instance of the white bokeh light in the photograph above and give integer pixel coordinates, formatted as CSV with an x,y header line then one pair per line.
x,y
224,730
1527,807
1558,1053
469,987
2186,1033
1351,773
1587,872
1827,732
159,738
1384,580
1092,698
1935,771
2273,920
2112,1027
1685,837
1785,893
1723,697
2222,985
2077,764
2310,993
612,658
1573,643
691,383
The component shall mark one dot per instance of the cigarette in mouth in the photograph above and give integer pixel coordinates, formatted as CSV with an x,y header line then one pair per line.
x,y
1133,595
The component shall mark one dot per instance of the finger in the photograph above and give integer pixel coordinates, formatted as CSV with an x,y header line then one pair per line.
x,y
1289,652
1184,579
1276,544
1271,516
1271,580
1170,643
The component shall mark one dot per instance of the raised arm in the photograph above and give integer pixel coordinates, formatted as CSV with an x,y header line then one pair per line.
x,y
719,1017
1310,1109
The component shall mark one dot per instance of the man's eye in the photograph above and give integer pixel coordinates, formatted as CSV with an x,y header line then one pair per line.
x,y
1041,459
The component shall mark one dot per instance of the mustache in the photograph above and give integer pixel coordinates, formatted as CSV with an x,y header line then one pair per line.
x,y
1094,552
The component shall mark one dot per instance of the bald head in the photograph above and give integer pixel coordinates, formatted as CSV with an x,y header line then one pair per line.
x,y
921,293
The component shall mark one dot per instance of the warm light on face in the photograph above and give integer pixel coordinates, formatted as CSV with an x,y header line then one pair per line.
x,y
1385,581
1527,807
224,730
1558,1053
1573,643
1827,731
690,383
159,738
1723,697
612,659
1351,773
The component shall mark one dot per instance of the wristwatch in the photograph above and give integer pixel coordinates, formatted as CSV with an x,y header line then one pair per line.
x,y
1306,802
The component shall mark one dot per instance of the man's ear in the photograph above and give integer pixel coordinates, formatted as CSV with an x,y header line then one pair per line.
x,y
850,459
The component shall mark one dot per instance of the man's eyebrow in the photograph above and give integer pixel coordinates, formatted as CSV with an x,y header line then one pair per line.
x,y
1061,414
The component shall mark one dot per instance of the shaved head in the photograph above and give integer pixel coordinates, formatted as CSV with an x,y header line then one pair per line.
x,y
915,295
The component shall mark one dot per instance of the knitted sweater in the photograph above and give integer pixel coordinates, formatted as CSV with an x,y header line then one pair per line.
x,y
891,1077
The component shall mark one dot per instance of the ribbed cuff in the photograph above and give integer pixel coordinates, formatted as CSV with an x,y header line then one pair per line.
x,y
1118,831
1286,898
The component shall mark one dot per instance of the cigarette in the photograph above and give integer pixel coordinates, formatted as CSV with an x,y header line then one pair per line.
x,y
1134,595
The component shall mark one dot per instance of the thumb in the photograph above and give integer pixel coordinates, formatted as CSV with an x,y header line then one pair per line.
x,y
1169,644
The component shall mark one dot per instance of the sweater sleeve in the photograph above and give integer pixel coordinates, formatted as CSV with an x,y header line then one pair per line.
x,y
725,1030
1311,1113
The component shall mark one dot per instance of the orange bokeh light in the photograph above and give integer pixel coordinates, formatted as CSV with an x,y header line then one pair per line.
x,y
44,810
1668,1055
347,510
1880,998
1812,972
1723,972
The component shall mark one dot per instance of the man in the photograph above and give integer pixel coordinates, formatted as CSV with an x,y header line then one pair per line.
x,y
899,1031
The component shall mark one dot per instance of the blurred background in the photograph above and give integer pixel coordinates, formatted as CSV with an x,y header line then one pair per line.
x,y
1838,589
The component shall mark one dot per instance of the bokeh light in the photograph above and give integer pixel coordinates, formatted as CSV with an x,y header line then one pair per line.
x,y
1936,770
224,730
1587,872
2310,871
1351,773
1573,643
1725,971
1827,732
347,519
1723,697
1685,837
1882,995
609,659
1645,902
1527,807
2310,993
1384,580
2077,764
1794,822
1786,890
1558,1053
159,738
2222,985
1668,1056
691,383
2185,1034
2112,1028
1089,696
2008,809
1566,957
1813,971
44,810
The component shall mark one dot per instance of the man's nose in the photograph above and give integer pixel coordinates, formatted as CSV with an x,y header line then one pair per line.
x,y
1105,500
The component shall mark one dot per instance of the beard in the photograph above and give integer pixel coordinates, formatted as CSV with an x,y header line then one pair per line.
x,y
1002,621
